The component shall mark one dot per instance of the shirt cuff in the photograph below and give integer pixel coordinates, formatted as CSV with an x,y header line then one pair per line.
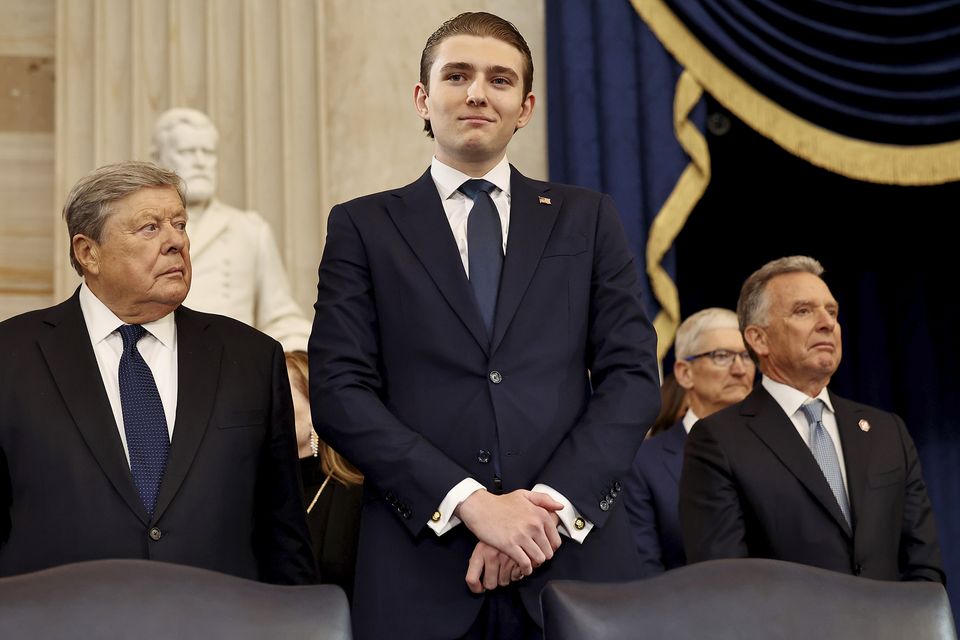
x,y
572,524
443,519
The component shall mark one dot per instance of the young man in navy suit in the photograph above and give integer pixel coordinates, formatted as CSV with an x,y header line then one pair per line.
x,y
713,365
480,352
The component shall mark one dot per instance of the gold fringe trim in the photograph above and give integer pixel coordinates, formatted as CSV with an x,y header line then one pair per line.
x,y
850,157
676,209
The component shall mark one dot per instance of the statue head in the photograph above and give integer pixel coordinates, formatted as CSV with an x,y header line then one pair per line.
x,y
185,141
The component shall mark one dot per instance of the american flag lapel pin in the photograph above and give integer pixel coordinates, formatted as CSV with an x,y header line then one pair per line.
x,y
545,200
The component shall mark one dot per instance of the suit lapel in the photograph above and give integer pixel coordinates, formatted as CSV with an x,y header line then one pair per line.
x,y
75,371
530,225
856,453
198,373
418,214
768,421
674,439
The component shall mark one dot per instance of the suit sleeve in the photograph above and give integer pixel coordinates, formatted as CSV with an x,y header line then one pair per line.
x,y
919,555
638,499
281,537
591,462
711,518
346,386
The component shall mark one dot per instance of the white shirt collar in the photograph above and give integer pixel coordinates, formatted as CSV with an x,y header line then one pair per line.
x,y
101,321
689,419
790,399
448,179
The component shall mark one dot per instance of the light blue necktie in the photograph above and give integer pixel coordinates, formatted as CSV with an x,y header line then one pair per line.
x,y
144,421
821,445
484,248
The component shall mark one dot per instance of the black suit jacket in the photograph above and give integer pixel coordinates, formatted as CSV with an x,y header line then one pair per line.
x,y
408,386
651,497
752,488
230,499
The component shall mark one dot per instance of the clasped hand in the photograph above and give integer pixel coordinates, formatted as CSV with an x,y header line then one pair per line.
x,y
517,532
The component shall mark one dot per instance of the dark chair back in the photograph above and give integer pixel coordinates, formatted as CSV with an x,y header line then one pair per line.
x,y
745,600
107,599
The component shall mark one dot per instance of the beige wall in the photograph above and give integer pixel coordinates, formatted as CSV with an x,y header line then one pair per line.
x,y
313,99
26,154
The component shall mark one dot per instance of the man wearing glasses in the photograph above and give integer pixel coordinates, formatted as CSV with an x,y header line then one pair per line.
x,y
715,369
795,472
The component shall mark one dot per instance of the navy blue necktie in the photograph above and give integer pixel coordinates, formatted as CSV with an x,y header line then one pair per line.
x,y
484,248
144,422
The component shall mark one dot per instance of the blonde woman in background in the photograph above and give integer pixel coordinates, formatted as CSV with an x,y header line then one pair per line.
x,y
332,488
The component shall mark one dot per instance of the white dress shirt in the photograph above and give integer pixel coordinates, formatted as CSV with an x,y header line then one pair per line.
x,y
791,399
457,206
689,419
158,348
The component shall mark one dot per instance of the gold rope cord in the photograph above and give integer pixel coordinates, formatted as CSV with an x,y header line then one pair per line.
x,y
850,157
676,209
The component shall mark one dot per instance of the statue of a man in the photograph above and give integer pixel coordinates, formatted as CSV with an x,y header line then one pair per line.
x,y
237,270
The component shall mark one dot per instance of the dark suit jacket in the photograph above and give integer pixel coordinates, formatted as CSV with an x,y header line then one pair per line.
x,y
230,499
651,495
751,487
408,386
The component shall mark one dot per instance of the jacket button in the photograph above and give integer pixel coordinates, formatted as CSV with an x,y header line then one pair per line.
x,y
483,456
496,377
604,505
617,487
155,534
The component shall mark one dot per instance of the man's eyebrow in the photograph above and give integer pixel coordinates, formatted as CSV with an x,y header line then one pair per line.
x,y
498,70
503,71
457,66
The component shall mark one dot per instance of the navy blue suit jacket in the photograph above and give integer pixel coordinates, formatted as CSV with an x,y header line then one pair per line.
x,y
230,499
652,497
751,488
402,383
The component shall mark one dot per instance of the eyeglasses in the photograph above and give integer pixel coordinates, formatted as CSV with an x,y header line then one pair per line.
x,y
723,357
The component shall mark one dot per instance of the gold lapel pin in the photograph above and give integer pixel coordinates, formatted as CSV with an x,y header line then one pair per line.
x,y
545,200
864,425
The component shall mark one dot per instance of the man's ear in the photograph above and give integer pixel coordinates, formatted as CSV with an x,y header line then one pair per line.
x,y
87,253
526,111
683,372
756,337
421,101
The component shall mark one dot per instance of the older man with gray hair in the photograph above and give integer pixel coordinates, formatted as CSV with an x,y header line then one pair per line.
x,y
134,427
237,267
714,367
795,472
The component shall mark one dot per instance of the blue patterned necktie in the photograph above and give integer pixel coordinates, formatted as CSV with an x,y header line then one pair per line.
x,y
821,445
144,422
484,248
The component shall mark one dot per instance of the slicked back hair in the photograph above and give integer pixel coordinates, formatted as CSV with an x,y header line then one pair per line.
x,y
91,200
482,25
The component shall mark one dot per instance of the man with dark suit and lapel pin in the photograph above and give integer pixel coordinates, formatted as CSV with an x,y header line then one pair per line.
x,y
715,369
133,427
795,472
480,352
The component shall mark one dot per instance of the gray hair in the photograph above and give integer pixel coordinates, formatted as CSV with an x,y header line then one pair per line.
x,y
753,307
90,201
170,119
688,335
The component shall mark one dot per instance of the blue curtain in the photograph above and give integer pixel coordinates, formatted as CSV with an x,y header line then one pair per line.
x,y
610,109
883,71
880,72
